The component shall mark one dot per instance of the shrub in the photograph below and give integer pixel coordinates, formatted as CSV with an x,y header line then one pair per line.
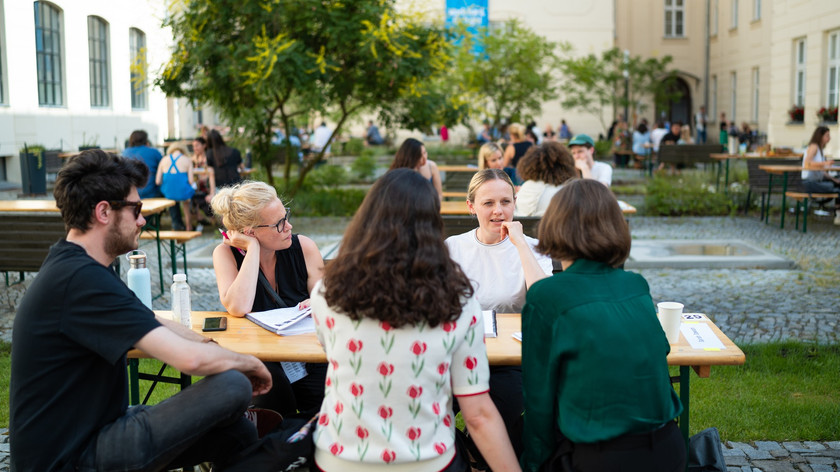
x,y
687,195
603,148
328,201
327,176
364,166
354,147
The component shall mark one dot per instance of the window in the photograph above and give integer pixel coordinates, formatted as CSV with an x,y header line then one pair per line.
x,y
674,18
137,46
713,93
2,56
799,72
756,10
755,95
733,83
714,22
734,15
48,54
98,61
833,69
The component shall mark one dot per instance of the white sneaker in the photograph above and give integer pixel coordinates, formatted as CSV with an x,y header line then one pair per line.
x,y
837,218
199,228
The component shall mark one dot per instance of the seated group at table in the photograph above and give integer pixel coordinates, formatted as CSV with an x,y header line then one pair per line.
x,y
399,315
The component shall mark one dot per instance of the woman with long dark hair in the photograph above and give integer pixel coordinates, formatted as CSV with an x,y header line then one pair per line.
x,y
402,333
412,155
224,159
814,178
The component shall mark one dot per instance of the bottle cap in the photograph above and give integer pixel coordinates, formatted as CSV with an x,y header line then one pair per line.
x,y
179,278
137,259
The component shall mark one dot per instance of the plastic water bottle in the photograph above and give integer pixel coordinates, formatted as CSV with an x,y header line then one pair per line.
x,y
181,300
139,279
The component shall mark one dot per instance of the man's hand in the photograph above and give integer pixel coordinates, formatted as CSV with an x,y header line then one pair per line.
x,y
260,378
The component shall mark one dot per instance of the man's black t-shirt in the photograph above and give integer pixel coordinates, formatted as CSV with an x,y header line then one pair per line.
x,y
71,333
670,138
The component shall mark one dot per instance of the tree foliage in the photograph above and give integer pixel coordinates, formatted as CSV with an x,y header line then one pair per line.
x,y
509,71
596,85
264,63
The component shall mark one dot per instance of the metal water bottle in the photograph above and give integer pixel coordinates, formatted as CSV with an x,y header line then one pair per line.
x,y
181,300
139,278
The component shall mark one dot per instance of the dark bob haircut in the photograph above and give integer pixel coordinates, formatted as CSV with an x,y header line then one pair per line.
x,y
408,155
550,162
91,177
393,265
583,221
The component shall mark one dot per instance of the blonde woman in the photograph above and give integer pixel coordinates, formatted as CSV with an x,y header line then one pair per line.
x,y
175,177
490,157
262,265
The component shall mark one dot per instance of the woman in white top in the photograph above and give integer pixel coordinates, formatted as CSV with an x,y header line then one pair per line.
x,y
412,155
815,179
544,168
500,273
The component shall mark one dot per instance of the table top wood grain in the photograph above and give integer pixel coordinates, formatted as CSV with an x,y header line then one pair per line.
x,y
151,206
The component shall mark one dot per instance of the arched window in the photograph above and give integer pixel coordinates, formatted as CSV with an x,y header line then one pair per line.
x,y
98,62
48,54
137,46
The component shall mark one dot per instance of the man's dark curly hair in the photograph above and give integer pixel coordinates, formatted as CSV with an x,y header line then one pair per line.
x,y
393,265
549,162
91,177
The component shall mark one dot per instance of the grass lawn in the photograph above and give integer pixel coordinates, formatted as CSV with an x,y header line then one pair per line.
x,y
785,392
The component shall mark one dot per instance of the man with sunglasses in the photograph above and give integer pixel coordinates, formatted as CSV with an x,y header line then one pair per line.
x,y
73,329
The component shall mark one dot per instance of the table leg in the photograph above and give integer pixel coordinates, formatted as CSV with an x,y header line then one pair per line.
x,y
784,197
153,221
769,196
685,399
133,382
726,179
173,254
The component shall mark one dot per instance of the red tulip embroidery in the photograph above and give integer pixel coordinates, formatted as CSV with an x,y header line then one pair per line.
x,y
436,409
336,449
414,392
449,339
385,370
442,370
339,408
413,435
387,339
470,336
385,413
440,448
418,349
388,456
362,448
358,403
355,346
330,323
471,363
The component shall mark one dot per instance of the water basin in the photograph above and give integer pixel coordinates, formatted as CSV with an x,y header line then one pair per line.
x,y
702,254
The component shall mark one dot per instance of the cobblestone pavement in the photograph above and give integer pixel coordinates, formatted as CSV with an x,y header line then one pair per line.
x,y
749,305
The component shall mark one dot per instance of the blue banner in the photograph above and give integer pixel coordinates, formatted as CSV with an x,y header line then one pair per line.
x,y
472,13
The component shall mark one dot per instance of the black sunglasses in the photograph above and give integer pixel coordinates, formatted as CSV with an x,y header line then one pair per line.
x,y
119,204
280,225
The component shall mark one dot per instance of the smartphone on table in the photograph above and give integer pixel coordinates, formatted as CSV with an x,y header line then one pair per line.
x,y
218,323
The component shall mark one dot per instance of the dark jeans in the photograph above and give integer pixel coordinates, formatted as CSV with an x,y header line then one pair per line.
x,y
822,186
203,423
177,219
287,398
662,450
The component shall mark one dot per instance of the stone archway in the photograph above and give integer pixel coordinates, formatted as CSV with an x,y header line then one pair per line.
x,y
680,109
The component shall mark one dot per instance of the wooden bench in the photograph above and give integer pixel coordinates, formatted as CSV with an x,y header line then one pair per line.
x,y
688,154
177,244
452,194
802,199
758,180
26,239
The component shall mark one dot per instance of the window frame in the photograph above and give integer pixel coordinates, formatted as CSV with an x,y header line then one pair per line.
x,y
733,96
800,58
756,10
137,48
756,76
713,108
714,22
99,66
50,81
832,89
733,15
671,7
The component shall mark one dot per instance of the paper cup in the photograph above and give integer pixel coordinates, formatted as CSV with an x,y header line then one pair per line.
x,y
670,316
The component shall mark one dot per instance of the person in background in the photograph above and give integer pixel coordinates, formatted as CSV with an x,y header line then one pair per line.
x,y
641,142
402,329
814,178
597,391
545,169
486,134
657,134
372,136
490,157
444,134
685,135
700,119
582,148
175,177
724,132
224,159
549,134
565,132
205,180
320,138
139,148
500,273
515,150
277,270
622,142
78,318
746,135
673,136
412,155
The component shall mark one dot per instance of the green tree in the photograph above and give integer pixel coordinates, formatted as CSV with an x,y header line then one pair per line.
x,y
262,63
512,73
596,84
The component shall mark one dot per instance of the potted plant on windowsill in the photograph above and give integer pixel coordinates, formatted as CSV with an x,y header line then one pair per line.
x,y
89,144
797,114
827,114
33,171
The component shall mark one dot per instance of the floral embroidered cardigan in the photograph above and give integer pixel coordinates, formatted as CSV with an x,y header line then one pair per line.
x,y
388,392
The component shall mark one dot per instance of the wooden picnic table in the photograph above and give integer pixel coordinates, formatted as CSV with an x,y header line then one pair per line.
x,y
69,154
783,170
447,168
246,337
724,158
151,206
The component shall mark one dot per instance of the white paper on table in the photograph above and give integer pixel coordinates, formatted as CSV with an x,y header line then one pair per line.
x,y
701,336
517,336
